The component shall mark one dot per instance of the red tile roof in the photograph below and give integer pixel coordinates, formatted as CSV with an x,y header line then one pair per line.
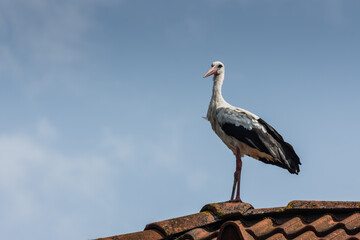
x,y
230,220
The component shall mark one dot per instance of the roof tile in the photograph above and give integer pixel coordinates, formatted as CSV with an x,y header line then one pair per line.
x,y
264,211
227,209
297,204
293,226
277,236
199,234
148,234
262,228
324,224
352,222
233,220
306,236
230,229
181,224
338,234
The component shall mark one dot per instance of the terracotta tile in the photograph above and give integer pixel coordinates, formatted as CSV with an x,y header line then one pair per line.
x,y
199,234
262,228
182,224
215,238
148,234
277,236
309,235
262,211
231,220
231,230
357,236
322,205
293,226
227,209
352,222
338,234
324,224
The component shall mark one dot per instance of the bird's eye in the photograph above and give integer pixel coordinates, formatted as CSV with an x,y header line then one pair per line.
x,y
212,65
220,66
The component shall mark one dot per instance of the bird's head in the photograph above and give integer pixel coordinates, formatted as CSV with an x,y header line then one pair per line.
x,y
217,68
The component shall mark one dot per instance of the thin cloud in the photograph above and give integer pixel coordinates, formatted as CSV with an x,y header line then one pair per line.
x,y
38,184
41,38
43,30
139,150
47,130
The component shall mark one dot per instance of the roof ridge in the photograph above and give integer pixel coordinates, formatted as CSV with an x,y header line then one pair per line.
x,y
306,204
182,224
227,209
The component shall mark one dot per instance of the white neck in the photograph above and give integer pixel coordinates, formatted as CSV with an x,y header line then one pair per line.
x,y
217,97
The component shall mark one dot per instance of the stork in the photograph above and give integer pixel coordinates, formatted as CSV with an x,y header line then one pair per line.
x,y
244,133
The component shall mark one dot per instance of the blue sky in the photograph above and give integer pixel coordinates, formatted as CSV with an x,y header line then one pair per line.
x,y
101,128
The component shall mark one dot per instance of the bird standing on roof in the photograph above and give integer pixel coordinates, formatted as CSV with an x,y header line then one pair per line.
x,y
245,133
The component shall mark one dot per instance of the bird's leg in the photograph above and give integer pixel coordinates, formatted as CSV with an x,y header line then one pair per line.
x,y
233,189
237,176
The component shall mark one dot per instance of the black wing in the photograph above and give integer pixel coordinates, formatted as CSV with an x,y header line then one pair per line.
x,y
256,133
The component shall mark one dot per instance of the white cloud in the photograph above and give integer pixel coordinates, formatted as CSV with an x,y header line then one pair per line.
x,y
38,184
42,187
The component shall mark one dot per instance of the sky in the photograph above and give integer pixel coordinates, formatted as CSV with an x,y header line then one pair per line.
x,y
101,128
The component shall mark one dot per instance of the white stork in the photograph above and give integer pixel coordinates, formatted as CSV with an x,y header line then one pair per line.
x,y
245,133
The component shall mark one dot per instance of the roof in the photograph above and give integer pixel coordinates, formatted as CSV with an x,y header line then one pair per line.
x,y
232,220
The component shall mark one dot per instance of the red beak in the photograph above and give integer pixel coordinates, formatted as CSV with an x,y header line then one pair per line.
x,y
210,72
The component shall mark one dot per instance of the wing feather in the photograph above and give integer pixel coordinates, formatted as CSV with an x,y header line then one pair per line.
x,y
256,133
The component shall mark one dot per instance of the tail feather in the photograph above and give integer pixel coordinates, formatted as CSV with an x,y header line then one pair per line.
x,y
291,159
